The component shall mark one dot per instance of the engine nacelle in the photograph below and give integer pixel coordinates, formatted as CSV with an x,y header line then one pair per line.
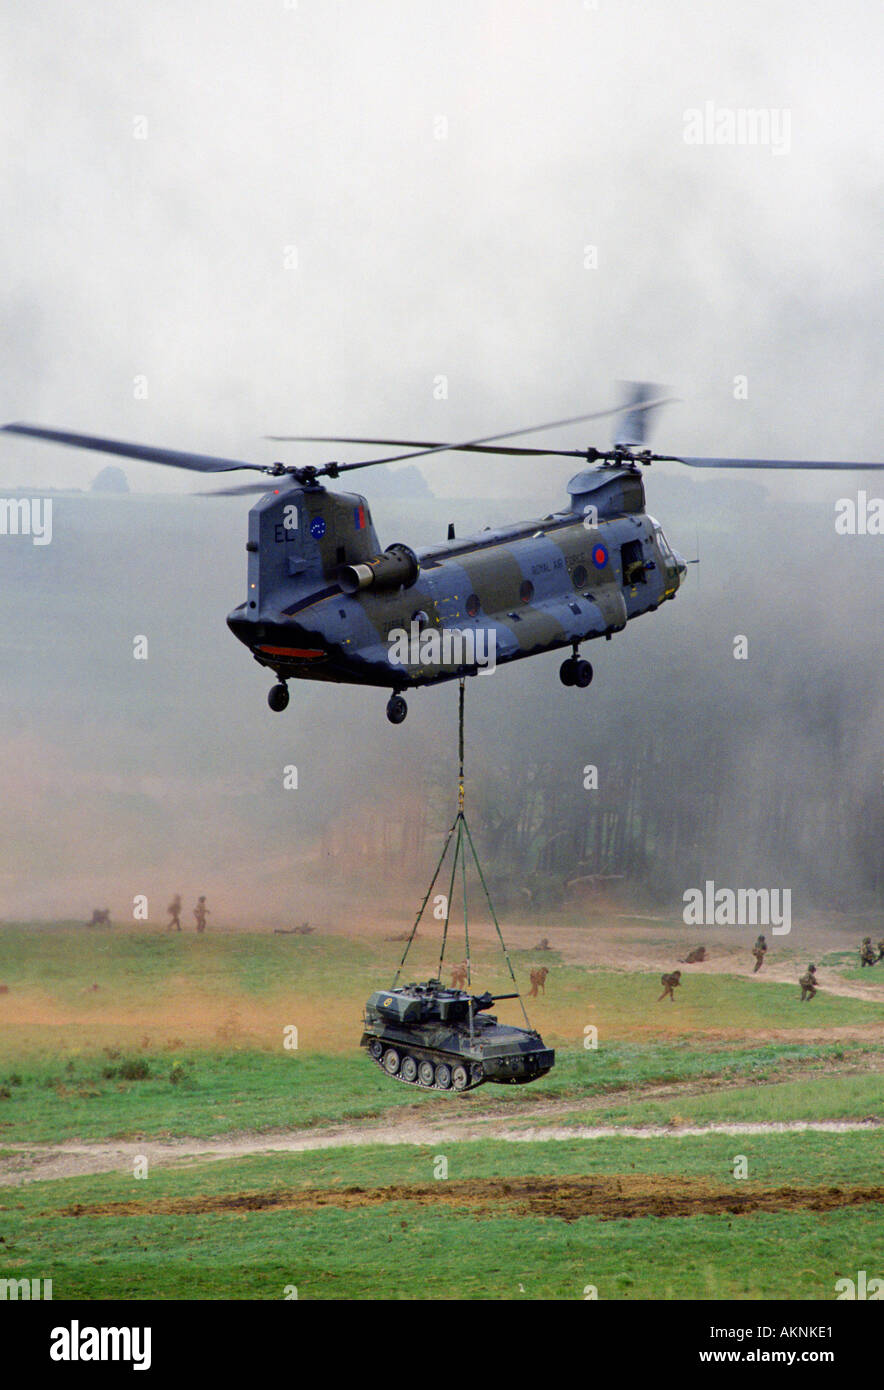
x,y
397,568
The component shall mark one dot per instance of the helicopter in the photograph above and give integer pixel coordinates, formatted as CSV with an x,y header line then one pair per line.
x,y
324,601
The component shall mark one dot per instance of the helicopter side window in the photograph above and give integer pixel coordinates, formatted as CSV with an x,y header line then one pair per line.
x,y
632,563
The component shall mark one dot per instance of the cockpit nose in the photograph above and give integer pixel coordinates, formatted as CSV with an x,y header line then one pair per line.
x,y
681,565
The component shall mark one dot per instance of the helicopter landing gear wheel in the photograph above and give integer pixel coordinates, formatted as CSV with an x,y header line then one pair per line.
x,y
391,1061
568,671
460,1078
583,675
396,709
426,1074
278,697
408,1070
376,1049
443,1076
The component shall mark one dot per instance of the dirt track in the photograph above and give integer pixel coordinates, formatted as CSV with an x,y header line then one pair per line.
x,y
29,1163
612,1197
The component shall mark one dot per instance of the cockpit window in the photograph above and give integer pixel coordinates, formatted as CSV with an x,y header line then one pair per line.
x,y
663,543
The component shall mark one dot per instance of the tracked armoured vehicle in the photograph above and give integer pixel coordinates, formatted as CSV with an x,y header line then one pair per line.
x,y
443,1039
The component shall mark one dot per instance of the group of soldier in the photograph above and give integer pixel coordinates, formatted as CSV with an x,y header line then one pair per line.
x,y
101,915
808,981
200,912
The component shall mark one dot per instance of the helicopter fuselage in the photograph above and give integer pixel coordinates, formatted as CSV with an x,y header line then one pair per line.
x,y
325,603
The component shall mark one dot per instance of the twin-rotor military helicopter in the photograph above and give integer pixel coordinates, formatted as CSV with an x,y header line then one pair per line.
x,y
326,603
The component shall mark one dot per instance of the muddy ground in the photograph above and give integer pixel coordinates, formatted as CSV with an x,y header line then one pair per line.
x,y
616,1196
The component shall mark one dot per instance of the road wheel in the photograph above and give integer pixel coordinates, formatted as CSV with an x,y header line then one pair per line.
x,y
427,1074
408,1071
376,1048
391,1061
460,1078
443,1076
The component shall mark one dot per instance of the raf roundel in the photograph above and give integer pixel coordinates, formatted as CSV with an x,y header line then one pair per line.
x,y
317,528
600,557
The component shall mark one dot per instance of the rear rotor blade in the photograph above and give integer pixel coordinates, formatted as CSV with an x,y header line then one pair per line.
x,y
424,445
200,463
640,399
493,438
768,463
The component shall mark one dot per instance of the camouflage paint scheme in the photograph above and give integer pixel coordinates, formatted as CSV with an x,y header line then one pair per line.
x,y
583,581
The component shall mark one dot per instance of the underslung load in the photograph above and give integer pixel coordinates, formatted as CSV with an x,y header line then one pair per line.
x,y
442,1039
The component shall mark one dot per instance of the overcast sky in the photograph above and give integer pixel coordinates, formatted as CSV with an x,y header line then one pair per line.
x,y
439,170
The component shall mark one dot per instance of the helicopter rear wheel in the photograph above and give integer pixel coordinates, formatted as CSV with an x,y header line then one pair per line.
x,y
460,1078
426,1073
391,1061
568,671
583,675
408,1070
278,697
396,709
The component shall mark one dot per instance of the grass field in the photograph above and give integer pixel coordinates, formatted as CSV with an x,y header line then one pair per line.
x,y
183,1039
411,1244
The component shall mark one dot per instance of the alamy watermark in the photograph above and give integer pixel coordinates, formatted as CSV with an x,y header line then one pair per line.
x,y
76,1343
726,907
769,126
861,517
861,1288
27,516
450,646
15,1289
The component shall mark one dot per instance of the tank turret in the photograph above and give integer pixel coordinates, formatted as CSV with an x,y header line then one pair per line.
x,y
444,1039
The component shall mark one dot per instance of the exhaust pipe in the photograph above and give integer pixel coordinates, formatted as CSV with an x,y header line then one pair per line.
x,y
397,568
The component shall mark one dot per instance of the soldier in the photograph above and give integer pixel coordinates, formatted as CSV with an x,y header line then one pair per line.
x,y
174,911
538,981
758,951
695,956
201,912
867,952
100,917
459,975
808,983
881,950
670,983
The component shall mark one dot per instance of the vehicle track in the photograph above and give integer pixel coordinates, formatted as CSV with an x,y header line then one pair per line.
x,y
24,1163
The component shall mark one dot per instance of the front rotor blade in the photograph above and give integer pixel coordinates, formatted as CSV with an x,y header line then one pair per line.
x,y
424,445
200,463
768,463
508,434
244,489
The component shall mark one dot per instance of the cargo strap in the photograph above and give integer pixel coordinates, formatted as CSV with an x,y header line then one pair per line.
x,y
459,832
